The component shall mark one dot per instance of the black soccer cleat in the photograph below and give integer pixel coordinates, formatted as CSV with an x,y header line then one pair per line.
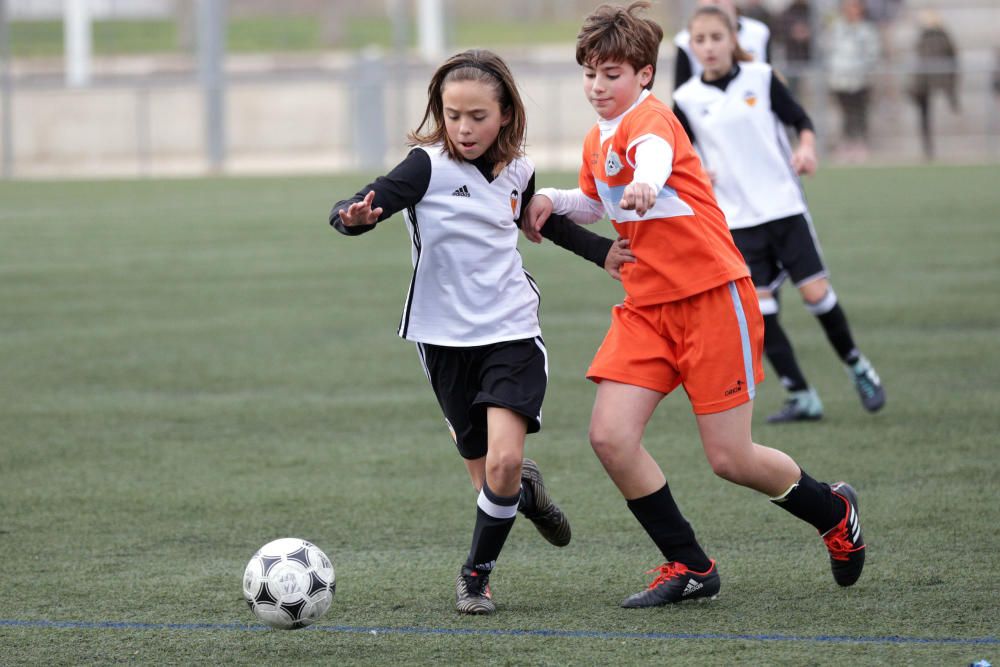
x,y
868,384
538,507
844,541
800,406
472,592
676,583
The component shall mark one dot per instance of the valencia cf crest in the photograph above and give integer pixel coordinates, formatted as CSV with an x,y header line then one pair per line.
x,y
515,196
750,98
613,164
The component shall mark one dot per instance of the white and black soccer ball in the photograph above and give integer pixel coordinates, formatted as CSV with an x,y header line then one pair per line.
x,y
289,583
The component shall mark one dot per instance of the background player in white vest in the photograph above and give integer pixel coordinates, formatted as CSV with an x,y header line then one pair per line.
x,y
754,38
734,114
471,307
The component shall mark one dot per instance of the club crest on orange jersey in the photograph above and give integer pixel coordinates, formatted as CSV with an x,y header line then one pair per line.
x,y
613,164
750,98
515,196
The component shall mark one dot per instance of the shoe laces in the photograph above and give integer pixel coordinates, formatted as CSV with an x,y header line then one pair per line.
x,y
866,385
867,379
667,571
839,543
477,583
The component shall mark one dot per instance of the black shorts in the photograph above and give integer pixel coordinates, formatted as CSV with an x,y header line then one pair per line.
x,y
779,249
466,380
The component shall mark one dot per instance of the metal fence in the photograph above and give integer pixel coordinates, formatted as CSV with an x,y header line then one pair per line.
x,y
205,111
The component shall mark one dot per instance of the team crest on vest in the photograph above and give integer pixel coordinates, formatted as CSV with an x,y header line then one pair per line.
x,y
514,197
613,164
750,98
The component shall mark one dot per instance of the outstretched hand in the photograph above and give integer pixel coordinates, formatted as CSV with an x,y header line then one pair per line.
x,y
618,255
538,211
638,197
804,160
360,213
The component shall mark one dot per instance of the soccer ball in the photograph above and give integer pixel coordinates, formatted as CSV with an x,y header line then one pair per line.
x,y
289,583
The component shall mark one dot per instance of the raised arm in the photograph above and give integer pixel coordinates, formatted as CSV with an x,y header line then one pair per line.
x,y
401,188
654,159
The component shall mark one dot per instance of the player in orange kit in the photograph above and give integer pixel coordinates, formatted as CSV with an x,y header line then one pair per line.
x,y
690,315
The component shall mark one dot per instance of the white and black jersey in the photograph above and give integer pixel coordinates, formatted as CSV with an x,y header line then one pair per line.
x,y
754,37
469,286
737,124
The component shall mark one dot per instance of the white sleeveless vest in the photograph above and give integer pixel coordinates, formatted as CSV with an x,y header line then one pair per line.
x,y
469,286
744,144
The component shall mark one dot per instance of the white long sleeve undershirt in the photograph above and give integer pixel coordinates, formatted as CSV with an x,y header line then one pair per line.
x,y
654,159
653,164
574,204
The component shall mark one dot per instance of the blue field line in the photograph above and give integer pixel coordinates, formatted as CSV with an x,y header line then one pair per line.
x,y
566,634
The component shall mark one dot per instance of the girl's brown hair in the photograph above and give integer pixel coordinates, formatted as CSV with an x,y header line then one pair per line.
x,y
739,55
613,33
488,68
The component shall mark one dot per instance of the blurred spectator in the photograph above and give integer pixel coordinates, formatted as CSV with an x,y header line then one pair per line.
x,y
996,70
853,54
795,32
883,13
756,10
936,69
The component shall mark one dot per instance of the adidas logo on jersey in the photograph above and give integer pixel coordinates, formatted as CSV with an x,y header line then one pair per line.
x,y
461,192
691,587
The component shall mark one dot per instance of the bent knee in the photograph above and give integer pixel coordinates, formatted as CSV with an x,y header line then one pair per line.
x,y
504,465
600,439
726,466
818,295
607,442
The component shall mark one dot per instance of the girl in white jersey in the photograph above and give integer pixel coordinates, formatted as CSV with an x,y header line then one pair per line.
x,y
471,308
734,114
754,37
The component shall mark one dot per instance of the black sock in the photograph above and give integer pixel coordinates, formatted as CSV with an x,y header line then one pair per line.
x,y
493,524
670,531
838,332
779,352
814,503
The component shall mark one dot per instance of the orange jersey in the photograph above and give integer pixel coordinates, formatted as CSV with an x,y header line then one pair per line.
x,y
682,245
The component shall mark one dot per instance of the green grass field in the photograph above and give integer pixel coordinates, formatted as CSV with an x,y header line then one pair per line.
x,y
189,369
278,34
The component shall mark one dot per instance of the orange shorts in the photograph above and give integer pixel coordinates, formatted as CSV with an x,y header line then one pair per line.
x,y
711,343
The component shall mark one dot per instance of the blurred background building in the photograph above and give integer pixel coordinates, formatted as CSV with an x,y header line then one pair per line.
x,y
95,88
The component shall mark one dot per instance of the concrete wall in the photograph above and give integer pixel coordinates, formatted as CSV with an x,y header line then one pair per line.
x,y
308,121
143,115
